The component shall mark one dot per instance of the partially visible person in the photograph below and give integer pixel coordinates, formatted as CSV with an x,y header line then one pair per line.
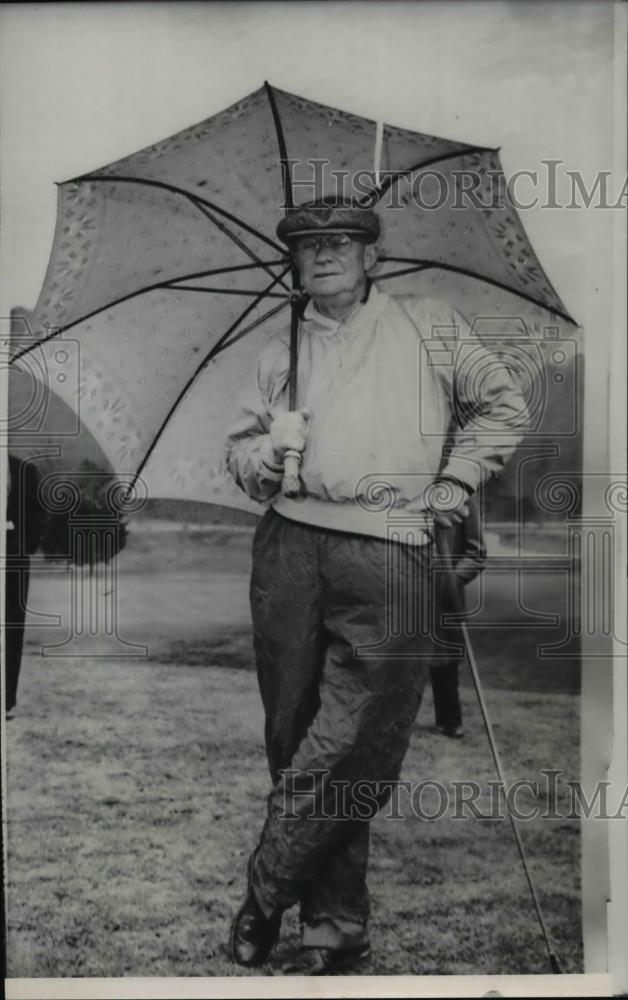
x,y
465,544
26,520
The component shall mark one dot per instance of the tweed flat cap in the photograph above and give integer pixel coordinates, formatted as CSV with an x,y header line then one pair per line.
x,y
328,215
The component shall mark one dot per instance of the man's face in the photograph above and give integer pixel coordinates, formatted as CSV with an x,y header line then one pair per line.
x,y
333,264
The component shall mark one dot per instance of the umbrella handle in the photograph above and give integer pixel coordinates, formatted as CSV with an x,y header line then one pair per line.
x,y
291,484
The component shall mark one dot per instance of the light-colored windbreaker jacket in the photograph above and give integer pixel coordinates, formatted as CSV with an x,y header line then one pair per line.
x,y
383,389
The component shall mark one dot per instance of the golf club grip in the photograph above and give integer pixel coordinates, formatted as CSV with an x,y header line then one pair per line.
x,y
291,484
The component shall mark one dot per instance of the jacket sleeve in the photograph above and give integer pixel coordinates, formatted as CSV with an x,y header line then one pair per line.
x,y
248,450
489,408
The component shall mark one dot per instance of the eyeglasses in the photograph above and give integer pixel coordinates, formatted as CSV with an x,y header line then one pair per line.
x,y
338,242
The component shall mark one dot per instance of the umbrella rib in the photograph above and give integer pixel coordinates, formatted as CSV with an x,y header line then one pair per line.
x,y
247,329
58,330
426,265
238,267
398,274
281,142
243,315
402,260
196,200
441,158
208,357
228,291
239,243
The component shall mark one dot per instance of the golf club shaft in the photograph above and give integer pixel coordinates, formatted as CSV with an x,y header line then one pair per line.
x,y
449,569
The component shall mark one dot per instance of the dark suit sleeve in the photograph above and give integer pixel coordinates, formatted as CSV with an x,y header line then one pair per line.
x,y
24,508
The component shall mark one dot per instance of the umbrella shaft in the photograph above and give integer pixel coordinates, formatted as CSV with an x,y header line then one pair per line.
x,y
294,343
290,485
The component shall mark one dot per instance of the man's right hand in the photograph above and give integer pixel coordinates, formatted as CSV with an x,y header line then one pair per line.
x,y
288,431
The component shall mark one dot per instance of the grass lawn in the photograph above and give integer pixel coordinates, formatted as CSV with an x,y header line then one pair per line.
x,y
136,790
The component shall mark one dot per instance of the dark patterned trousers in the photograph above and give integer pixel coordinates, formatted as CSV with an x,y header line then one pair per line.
x,y
342,644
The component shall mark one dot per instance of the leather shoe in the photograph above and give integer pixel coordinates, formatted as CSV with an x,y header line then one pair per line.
x,y
325,961
453,732
253,935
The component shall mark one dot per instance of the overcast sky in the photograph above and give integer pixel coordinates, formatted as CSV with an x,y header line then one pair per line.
x,y
83,84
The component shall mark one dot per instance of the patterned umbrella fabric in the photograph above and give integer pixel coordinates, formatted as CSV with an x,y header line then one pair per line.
x,y
166,278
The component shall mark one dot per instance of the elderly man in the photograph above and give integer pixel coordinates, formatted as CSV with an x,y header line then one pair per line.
x,y
341,675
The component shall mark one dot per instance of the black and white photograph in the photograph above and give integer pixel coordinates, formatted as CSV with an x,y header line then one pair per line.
x,y
313,438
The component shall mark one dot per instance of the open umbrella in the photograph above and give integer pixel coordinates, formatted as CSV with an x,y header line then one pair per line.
x,y
165,262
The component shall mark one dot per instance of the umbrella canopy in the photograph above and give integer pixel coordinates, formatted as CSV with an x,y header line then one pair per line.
x,y
166,278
